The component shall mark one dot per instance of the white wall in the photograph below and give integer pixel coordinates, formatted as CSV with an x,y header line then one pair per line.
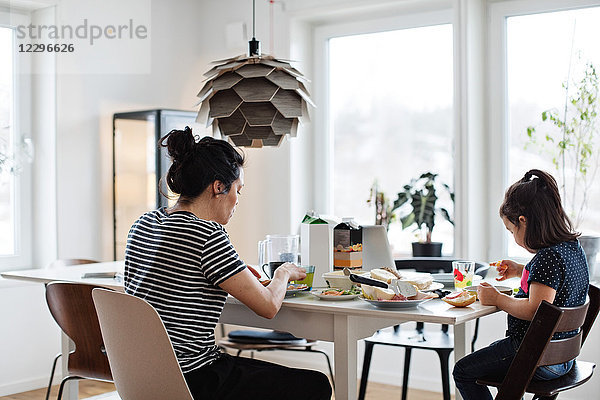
x,y
185,36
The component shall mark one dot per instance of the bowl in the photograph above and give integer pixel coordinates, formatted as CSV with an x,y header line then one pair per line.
x,y
338,280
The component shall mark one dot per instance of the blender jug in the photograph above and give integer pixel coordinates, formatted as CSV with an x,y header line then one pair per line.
x,y
276,250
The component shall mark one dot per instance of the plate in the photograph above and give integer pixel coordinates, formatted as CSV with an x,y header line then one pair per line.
x,y
294,288
334,298
434,286
394,304
447,278
501,289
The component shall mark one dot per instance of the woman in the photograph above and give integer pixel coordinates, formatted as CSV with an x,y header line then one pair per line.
x,y
181,261
557,273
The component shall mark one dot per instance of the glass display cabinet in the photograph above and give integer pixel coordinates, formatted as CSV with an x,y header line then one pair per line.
x,y
139,164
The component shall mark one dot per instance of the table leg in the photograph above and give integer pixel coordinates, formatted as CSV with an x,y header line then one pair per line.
x,y
461,347
345,355
71,391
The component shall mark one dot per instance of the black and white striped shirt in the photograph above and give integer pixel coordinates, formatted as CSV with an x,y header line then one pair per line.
x,y
176,263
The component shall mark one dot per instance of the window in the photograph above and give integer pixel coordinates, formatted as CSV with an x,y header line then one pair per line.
x,y
15,151
7,184
542,51
391,119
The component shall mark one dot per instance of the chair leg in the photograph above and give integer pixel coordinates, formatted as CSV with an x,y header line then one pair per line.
x,y
365,370
328,364
444,356
407,354
475,333
62,385
52,375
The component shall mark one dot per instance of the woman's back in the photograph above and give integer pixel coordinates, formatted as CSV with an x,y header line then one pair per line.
x,y
176,262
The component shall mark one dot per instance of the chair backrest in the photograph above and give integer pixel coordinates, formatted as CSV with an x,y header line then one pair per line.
x,y
141,355
538,348
73,310
65,262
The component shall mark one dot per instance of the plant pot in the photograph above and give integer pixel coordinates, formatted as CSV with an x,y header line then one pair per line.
x,y
591,246
433,249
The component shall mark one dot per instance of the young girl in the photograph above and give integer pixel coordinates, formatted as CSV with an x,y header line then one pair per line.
x,y
557,273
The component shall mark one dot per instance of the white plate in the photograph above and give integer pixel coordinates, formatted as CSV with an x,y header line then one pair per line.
x,y
334,298
447,278
434,286
394,304
291,292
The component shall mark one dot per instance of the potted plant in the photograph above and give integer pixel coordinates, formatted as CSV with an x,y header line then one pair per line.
x,y
571,137
384,214
420,195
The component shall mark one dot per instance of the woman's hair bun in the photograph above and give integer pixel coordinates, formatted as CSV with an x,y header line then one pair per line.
x,y
179,143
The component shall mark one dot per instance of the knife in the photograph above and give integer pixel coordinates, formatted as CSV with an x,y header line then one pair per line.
x,y
399,287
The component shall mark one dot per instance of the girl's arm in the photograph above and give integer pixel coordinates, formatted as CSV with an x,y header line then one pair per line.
x,y
264,301
520,308
508,269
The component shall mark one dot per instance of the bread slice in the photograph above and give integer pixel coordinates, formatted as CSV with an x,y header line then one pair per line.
x,y
382,275
422,282
377,293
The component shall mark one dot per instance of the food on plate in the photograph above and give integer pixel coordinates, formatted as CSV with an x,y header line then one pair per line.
x,y
382,275
381,294
422,282
340,292
297,286
393,271
460,299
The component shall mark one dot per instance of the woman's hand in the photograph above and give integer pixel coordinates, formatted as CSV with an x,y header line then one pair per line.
x,y
487,294
294,273
508,269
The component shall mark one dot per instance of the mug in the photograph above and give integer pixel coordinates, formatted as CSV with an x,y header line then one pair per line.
x,y
271,267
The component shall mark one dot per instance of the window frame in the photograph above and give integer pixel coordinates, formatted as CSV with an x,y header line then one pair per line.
x,y
22,258
499,12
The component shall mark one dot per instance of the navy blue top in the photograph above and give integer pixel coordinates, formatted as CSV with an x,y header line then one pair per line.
x,y
562,267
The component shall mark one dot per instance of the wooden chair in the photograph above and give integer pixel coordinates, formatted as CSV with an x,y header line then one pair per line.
x,y
58,264
141,355
72,308
442,342
538,349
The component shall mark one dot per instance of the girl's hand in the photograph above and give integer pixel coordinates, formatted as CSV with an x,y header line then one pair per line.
x,y
487,294
508,269
294,273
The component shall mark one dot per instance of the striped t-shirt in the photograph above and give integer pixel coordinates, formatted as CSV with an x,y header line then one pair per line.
x,y
176,262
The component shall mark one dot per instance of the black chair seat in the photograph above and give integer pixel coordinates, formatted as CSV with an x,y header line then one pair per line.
x,y
429,340
580,373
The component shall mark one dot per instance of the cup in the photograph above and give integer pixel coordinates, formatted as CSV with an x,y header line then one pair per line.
x,y
310,275
463,274
271,267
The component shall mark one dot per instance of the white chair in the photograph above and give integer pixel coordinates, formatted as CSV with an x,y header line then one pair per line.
x,y
141,356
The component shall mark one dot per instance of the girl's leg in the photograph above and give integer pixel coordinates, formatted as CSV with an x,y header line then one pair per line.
x,y
493,361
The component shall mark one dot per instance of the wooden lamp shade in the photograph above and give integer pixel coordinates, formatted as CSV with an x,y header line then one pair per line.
x,y
254,101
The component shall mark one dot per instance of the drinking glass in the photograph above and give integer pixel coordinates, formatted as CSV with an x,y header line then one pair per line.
x,y
463,274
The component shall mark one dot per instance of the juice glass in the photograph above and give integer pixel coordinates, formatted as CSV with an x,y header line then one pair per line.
x,y
463,274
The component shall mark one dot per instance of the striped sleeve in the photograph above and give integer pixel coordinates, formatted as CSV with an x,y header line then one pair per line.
x,y
220,261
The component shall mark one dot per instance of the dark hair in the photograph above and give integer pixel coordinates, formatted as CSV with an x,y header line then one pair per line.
x,y
197,164
536,197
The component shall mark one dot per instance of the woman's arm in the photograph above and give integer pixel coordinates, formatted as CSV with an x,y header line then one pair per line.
x,y
264,301
520,308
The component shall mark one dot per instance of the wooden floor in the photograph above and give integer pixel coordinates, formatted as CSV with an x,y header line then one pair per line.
x,y
88,388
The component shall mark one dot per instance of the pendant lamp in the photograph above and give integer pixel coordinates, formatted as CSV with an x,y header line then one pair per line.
x,y
254,100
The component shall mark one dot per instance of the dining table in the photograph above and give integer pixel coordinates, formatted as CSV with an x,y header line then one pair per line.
x,y
343,323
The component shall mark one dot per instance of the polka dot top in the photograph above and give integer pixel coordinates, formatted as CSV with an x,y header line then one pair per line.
x,y
562,267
